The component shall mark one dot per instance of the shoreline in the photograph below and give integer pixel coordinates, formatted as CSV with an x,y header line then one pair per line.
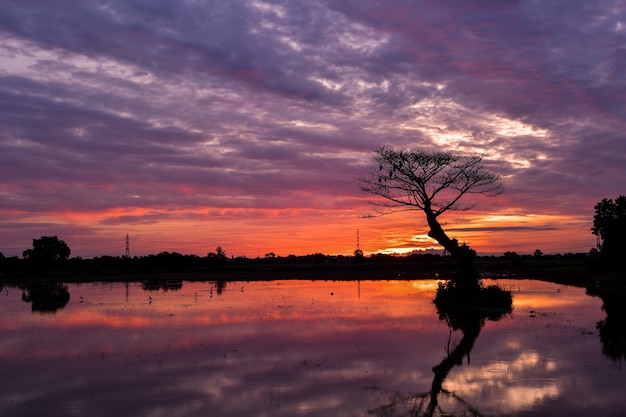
x,y
573,275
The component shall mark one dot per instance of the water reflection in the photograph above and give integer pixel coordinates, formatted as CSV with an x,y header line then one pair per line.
x,y
220,286
45,297
612,329
462,312
294,348
165,285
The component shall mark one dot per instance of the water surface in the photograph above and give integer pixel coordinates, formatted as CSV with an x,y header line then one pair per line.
x,y
289,348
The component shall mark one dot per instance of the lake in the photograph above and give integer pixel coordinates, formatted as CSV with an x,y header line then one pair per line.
x,y
303,348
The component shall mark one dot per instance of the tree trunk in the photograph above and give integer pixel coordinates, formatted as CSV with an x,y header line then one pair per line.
x,y
464,256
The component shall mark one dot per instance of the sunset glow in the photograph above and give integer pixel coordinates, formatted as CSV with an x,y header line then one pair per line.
x,y
322,347
245,124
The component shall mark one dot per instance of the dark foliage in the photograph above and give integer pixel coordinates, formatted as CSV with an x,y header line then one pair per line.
x,y
455,304
609,224
47,251
431,182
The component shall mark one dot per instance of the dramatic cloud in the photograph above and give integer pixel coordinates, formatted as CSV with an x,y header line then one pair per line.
x,y
192,124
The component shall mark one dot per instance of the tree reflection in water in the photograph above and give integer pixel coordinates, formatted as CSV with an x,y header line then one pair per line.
x,y
165,285
613,328
220,286
46,297
464,312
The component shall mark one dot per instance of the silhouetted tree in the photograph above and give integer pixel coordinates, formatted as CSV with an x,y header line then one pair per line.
x,y
431,182
167,260
609,224
220,253
47,248
217,258
511,256
47,252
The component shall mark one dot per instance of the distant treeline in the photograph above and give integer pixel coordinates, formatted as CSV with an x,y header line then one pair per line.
x,y
166,262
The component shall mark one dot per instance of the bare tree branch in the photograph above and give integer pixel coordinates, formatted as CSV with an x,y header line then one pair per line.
x,y
427,180
433,182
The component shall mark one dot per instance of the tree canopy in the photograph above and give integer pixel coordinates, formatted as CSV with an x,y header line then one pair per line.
x,y
47,248
609,224
217,258
432,182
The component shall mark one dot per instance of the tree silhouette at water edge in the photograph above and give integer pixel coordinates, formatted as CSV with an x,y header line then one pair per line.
x,y
433,183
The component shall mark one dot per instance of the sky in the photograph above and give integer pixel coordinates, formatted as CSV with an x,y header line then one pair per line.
x,y
188,125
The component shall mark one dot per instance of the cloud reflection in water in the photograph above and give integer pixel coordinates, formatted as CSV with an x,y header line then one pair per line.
x,y
293,348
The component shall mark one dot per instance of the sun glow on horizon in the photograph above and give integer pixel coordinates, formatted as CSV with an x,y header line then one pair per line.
x,y
255,232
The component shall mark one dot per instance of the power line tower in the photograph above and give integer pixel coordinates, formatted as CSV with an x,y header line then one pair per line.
x,y
127,251
358,253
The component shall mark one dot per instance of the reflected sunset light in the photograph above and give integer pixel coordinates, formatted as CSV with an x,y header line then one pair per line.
x,y
295,346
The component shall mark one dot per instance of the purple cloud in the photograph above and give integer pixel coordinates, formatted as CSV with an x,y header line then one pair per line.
x,y
253,104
